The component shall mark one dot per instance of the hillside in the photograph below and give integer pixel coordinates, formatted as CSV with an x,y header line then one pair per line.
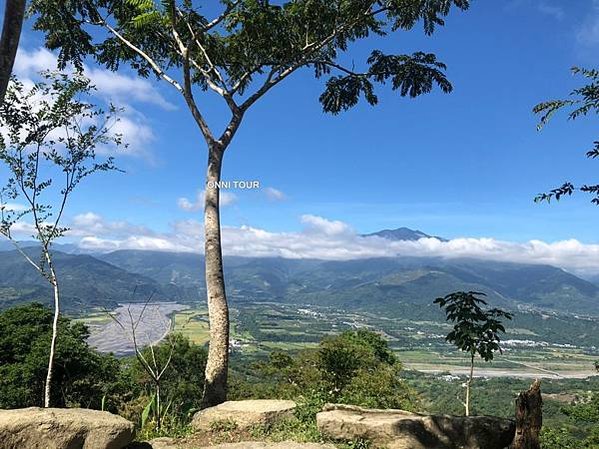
x,y
379,285
86,282
373,284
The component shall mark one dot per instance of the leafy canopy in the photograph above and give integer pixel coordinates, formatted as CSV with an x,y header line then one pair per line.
x,y
356,367
84,378
475,329
247,47
583,101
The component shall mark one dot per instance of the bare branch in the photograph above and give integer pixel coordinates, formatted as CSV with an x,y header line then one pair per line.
x,y
222,17
159,71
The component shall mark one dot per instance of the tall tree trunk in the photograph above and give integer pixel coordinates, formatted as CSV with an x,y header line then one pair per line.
x,y
54,282
529,418
215,387
14,12
469,385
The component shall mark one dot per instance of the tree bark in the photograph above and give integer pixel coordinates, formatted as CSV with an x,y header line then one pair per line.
x,y
529,418
9,41
469,385
54,282
215,387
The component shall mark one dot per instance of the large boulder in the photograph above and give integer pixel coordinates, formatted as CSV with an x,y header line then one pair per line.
x,y
52,428
243,414
398,429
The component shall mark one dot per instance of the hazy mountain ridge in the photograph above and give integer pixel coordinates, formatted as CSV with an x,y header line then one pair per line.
x,y
403,234
376,284
85,281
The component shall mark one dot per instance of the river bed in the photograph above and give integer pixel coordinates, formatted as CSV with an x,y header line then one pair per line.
x,y
152,323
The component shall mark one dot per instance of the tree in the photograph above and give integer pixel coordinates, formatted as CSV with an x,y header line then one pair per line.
x,y
585,101
355,367
82,378
155,366
241,53
50,133
182,382
475,330
14,11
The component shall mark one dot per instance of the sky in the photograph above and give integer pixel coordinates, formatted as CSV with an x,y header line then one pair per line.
x,y
465,166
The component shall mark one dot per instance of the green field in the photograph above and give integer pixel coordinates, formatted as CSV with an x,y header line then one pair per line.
x,y
259,328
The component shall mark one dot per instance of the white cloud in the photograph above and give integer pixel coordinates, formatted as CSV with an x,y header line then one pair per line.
x,y
274,194
319,225
116,87
588,34
226,199
551,9
13,207
125,88
29,63
325,239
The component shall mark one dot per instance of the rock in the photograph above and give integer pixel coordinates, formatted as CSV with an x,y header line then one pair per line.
x,y
244,414
52,428
398,429
162,443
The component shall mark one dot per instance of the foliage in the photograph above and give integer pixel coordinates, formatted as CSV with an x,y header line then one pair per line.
x,y
356,367
50,132
250,39
83,377
476,331
558,438
584,102
181,384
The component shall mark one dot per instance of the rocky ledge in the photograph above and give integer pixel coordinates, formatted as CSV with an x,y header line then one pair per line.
x,y
398,429
52,428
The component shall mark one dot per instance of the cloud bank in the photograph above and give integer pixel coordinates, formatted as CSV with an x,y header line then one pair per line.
x,y
321,238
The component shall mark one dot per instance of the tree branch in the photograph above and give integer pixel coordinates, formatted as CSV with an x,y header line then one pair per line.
x,y
159,71
222,17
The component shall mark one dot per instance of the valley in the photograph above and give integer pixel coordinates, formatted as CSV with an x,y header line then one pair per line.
x,y
258,328
286,304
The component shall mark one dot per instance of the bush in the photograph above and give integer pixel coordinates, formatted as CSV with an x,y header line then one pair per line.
x,y
181,385
352,368
82,376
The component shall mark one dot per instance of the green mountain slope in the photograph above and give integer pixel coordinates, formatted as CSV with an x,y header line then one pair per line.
x,y
86,282
373,284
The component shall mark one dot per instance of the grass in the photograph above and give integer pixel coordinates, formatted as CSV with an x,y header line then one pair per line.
x,y
294,429
193,324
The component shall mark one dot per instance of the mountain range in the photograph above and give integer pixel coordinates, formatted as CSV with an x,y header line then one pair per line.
x,y
378,285
403,234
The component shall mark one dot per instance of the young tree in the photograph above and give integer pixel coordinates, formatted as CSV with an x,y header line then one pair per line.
x,y
240,53
14,11
49,136
475,330
583,101
155,367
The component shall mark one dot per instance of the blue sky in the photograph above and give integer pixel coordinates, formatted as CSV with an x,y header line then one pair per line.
x,y
466,164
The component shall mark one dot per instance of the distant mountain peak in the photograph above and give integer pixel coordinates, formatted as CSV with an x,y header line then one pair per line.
x,y
403,233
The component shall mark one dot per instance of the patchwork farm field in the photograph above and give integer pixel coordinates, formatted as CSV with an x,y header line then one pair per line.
x,y
259,328
534,346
